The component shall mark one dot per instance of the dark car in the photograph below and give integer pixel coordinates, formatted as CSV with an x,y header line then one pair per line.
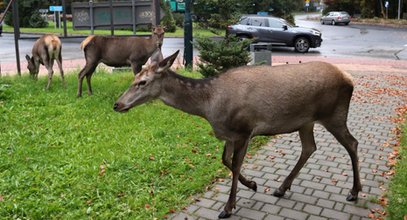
x,y
276,31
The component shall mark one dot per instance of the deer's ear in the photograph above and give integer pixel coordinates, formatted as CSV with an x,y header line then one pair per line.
x,y
27,58
167,62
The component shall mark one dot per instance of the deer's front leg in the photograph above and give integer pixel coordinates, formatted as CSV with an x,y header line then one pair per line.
x,y
226,159
239,152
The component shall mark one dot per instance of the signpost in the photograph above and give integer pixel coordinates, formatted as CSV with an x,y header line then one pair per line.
x,y
57,12
386,4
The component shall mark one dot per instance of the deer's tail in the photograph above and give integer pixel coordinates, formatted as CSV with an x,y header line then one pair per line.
x,y
86,42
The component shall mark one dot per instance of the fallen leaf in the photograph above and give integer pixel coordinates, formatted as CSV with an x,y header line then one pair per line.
x,y
151,157
147,206
1,198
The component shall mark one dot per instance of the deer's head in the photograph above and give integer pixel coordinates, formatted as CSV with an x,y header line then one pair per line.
x,y
158,33
31,65
146,85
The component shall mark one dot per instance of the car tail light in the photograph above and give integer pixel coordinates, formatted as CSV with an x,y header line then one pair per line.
x,y
339,18
229,27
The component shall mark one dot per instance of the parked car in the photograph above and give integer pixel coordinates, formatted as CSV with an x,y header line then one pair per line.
x,y
276,31
336,17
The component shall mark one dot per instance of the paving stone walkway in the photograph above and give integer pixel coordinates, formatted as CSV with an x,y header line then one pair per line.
x,y
320,189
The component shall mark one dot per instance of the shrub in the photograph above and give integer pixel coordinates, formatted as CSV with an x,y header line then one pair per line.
x,y
217,56
168,20
179,19
37,21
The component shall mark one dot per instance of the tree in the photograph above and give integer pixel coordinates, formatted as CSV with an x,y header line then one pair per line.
x,y
28,13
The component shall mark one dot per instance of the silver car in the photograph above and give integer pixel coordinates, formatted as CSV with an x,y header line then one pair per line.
x,y
336,17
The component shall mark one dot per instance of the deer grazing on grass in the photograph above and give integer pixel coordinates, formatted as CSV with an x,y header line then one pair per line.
x,y
117,52
256,100
45,50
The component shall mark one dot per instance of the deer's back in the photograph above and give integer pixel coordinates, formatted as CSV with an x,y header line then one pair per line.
x,y
279,99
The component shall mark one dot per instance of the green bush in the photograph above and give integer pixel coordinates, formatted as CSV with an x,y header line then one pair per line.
x,y
217,56
37,21
168,20
179,19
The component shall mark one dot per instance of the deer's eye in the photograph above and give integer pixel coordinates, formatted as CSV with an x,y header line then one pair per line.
x,y
141,83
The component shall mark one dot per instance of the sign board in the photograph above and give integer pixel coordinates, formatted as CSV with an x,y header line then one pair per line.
x,y
386,4
55,8
43,11
262,13
122,14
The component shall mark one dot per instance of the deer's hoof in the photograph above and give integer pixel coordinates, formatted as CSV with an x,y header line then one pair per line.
x,y
278,193
224,214
352,197
253,186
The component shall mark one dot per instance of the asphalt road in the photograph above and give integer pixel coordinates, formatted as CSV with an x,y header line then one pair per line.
x,y
341,41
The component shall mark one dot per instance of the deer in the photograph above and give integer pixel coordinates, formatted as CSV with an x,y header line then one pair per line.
x,y
45,50
117,52
248,101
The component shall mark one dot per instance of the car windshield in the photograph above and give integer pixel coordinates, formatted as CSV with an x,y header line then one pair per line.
x,y
344,13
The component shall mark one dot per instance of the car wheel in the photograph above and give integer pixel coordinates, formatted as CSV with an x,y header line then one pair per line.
x,y
346,23
302,45
333,22
322,21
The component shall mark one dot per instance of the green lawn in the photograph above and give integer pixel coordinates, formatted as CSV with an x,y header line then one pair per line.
x,y
397,208
64,157
51,29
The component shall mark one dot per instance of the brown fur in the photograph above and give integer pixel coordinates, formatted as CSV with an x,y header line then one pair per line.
x,y
45,50
117,52
256,100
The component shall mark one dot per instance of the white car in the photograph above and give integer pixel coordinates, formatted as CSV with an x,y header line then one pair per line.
x,y
336,17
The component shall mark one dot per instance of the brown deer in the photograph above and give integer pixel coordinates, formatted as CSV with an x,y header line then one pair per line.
x,y
117,52
45,50
256,100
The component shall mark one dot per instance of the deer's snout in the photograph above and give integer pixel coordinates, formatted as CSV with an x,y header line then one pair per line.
x,y
118,106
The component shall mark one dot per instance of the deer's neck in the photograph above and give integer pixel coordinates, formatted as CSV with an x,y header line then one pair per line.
x,y
189,95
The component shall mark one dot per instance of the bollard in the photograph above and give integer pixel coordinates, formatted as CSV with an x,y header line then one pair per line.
x,y
260,53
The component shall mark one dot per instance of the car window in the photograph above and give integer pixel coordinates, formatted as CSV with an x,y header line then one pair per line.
x,y
258,22
344,14
244,21
274,23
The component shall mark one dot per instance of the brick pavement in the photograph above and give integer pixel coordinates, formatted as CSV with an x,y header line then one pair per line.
x,y
320,189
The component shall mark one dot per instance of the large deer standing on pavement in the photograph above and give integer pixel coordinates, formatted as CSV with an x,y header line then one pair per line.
x,y
256,100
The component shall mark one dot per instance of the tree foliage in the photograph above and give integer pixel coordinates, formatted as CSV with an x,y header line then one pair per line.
x,y
28,13
220,13
217,56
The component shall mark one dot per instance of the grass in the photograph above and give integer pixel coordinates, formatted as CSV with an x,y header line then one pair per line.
x,y
64,157
397,208
51,29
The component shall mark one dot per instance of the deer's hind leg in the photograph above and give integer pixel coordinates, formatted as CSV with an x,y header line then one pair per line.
x,y
308,147
59,62
340,131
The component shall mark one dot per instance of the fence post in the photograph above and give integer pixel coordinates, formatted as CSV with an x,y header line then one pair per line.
x,y
16,24
64,17
91,16
133,14
188,50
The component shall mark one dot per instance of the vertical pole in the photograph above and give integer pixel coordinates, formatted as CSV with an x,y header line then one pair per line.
x,y
59,20
399,10
91,16
133,15
55,20
16,24
64,18
111,17
188,52
156,12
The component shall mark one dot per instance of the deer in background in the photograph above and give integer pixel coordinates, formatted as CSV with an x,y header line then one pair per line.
x,y
45,50
117,52
256,100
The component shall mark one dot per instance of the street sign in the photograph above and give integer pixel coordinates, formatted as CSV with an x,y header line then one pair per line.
x,y
386,4
55,8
